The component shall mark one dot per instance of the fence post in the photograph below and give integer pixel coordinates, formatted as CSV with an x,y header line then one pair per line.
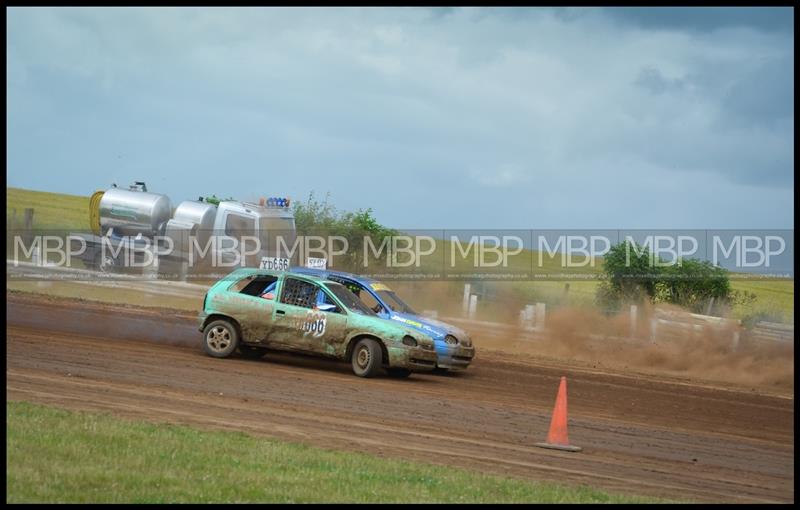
x,y
710,305
634,320
540,310
473,305
466,299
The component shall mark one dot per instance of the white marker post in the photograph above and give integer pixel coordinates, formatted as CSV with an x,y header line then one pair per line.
x,y
473,305
540,310
466,298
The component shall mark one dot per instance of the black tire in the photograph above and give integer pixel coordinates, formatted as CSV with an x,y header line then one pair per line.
x,y
400,373
366,358
220,338
251,352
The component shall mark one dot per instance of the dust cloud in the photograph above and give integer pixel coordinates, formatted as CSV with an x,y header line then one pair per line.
x,y
713,353
583,334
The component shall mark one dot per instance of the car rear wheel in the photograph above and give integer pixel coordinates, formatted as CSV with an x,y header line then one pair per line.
x,y
366,358
220,339
400,373
251,352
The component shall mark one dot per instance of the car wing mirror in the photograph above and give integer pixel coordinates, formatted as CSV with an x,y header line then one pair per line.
x,y
326,307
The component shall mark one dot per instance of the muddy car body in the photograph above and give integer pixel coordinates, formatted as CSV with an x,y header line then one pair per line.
x,y
257,310
454,349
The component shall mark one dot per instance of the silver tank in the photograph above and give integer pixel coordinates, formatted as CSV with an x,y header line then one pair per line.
x,y
192,219
200,213
131,213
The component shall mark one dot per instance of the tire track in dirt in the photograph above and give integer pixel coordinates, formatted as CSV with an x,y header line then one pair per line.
x,y
487,418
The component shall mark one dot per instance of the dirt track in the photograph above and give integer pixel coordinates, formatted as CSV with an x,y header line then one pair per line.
x,y
641,435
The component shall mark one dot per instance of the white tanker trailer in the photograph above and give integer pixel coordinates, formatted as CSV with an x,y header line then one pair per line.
x,y
131,226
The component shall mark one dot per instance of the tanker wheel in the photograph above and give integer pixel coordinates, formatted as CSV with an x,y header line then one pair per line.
x,y
103,264
366,358
251,352
220,339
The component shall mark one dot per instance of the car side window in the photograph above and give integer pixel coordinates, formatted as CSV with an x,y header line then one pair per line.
x,y
299,293
325,303
368,299
260,285
363,294
241,284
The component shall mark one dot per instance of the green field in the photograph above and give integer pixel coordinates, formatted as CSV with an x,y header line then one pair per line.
x,y
774,298
58,456
50,210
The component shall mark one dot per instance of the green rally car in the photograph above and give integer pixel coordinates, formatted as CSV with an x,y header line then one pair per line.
x,y
257,310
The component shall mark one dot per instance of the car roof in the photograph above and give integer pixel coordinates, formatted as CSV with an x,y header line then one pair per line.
x,y
254,271
324,273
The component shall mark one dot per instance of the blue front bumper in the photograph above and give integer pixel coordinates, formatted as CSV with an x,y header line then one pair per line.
x,y
453,357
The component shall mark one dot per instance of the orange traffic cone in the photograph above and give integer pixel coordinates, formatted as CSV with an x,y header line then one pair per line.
x,y
557,438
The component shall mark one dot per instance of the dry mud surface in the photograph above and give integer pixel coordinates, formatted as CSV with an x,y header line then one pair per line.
x,y
641,434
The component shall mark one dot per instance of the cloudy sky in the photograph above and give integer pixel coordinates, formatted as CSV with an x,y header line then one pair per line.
x,y
435,118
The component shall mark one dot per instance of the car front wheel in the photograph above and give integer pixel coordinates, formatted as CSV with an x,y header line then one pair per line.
x,y
220,339
366,358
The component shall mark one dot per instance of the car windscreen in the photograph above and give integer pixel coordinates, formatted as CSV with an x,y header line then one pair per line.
x,y
394,302
349,299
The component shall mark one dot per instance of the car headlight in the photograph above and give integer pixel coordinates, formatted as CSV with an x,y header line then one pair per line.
x,y
450,339
410,341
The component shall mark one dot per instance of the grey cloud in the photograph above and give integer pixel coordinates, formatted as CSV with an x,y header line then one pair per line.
x,y
547,115
651,79
705,18
764,96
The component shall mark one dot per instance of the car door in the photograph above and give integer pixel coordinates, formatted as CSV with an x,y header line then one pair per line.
x,y
253,313
300,324
332,323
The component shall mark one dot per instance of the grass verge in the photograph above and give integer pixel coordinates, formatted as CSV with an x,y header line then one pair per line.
x,y
62,456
